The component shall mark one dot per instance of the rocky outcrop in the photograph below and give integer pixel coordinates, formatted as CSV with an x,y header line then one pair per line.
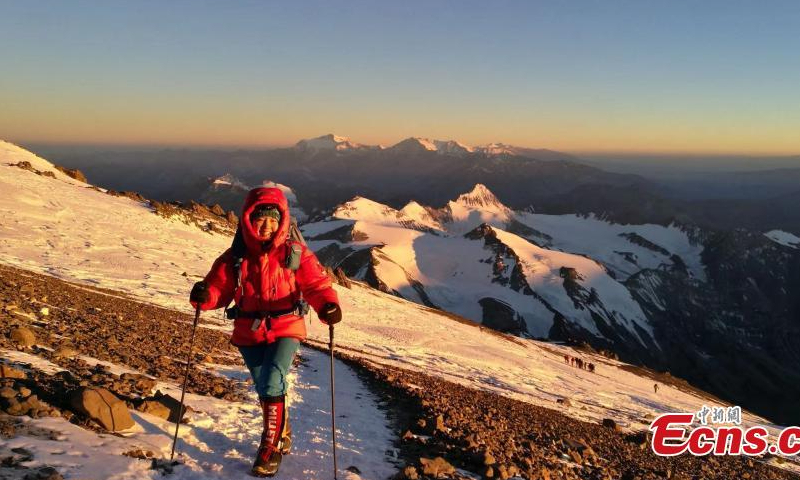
x,y
72,173
748,306
501,317
103,407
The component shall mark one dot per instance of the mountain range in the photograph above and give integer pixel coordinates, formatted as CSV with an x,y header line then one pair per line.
x,y
672,297
331,169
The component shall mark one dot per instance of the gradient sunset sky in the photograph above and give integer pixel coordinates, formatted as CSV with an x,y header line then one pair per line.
x,y
578,76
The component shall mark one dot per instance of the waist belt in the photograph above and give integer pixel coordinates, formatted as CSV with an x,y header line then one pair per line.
x,y
300,308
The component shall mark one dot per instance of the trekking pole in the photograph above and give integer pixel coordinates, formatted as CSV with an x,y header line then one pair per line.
x,y
333,403
185,379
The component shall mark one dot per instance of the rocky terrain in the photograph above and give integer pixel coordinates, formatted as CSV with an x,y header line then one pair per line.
x,y
74,327
446,429
443,430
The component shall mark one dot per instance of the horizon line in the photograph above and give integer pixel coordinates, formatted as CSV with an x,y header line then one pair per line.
x,y
266,146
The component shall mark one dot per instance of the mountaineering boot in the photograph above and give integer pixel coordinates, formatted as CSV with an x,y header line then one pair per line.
x,y
286,434
268,460
269,456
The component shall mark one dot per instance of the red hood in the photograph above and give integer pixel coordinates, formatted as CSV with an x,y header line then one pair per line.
x,y
262,196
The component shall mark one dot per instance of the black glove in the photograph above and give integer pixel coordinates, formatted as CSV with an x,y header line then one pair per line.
x,y
199,293
330,314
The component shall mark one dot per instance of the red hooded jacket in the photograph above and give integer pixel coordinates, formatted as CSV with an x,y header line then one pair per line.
x,y
266,282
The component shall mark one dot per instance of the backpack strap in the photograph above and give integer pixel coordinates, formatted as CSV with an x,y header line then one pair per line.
x,y
294,254
238,251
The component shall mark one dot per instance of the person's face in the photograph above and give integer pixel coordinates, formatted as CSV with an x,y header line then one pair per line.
x,y
265,227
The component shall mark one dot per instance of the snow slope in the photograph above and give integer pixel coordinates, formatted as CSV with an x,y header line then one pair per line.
x,y
427,258
82,235
443,147
11,154
221,436
784,238
70,231
611,243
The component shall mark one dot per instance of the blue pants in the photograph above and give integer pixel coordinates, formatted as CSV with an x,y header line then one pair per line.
x,y
269,364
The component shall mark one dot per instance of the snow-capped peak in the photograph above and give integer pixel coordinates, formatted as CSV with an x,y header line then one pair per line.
x,y
360,208
449,147
475,207
452,147
497,149
330,142
230,181
481,197
413,216
419,214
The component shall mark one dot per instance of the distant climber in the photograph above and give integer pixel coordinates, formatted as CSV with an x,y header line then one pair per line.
x,y
268,275
591,367
655,388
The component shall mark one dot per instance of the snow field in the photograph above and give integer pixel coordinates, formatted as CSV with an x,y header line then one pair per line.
x,y
450,269
601,240
784,238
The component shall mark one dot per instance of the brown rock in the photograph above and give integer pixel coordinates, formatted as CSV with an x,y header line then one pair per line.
x,y
8,392
65,351
76,174
502,472
341,278
139,453
23,336
410,473
436,466
173,405
217,210
44,473
103,407
439,424
609,423
10,372
156,408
